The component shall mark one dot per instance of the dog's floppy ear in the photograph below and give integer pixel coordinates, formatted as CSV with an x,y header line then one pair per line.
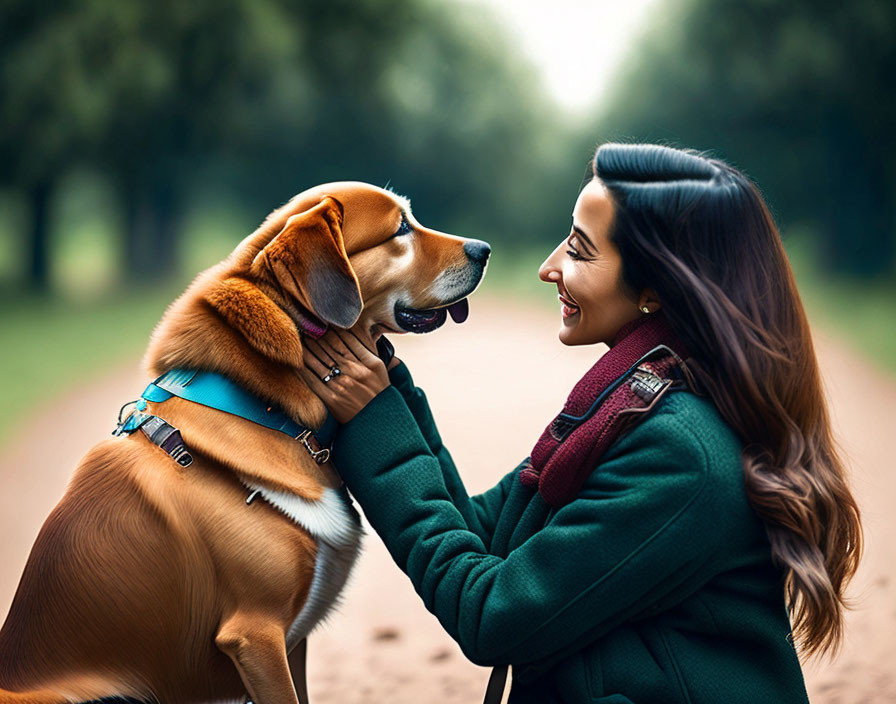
x,y
261,321
307,260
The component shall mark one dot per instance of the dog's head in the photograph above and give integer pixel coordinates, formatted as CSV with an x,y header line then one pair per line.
x,y
346,254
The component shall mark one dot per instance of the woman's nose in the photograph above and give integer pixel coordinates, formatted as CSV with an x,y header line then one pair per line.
x,y
548,271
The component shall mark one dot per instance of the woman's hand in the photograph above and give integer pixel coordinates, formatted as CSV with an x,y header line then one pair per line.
x,y
361,373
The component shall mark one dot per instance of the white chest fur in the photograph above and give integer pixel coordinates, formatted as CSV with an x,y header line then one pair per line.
x,y
335,526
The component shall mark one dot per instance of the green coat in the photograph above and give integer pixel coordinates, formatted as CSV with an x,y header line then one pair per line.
x,y
654,585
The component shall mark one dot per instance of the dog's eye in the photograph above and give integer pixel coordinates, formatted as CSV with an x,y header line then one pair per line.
x,y
404,227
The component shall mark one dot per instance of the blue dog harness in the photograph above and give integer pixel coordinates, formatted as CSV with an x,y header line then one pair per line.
x,y
218,392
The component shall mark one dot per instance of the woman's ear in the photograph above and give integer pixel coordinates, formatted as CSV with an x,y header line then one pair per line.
x,y
650,299
307,261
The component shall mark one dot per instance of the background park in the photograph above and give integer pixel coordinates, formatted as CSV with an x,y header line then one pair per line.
x,y
139,142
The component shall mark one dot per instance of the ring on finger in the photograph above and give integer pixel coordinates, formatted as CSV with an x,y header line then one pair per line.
x,y
334,371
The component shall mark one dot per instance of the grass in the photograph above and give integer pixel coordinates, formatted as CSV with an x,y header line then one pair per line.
x,y
860,312
52,345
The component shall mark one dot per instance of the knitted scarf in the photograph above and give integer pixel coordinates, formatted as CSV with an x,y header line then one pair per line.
x,y
646,358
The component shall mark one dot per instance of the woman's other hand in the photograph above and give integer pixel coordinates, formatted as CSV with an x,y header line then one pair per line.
x,y
354,373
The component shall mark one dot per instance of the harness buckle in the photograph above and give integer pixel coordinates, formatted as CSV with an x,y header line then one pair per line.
x,y
319,456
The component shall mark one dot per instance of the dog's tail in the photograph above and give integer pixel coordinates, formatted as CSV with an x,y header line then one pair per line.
x,y
35,697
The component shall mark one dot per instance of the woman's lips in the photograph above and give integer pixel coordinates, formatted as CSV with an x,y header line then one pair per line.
x,y
567,307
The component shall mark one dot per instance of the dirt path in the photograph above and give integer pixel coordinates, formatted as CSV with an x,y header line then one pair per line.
x,y
503,370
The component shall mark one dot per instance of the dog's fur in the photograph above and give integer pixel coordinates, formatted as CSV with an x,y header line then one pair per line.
x,y
160,583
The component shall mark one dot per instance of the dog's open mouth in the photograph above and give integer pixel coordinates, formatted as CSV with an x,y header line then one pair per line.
x,y
413,320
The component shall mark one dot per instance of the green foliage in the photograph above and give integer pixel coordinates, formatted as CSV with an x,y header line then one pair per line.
x,y
796,94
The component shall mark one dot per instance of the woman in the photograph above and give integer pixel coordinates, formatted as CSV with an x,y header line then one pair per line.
x,y
685,520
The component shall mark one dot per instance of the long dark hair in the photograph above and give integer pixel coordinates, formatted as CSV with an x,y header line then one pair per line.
x,y
697,231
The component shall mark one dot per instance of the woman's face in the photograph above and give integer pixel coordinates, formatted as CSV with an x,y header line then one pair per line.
x,y
587,268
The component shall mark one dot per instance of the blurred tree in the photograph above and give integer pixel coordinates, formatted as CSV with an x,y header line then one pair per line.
x,y
172,76
45,107
264,98
797,94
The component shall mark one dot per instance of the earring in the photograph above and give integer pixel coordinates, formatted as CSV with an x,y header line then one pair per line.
x,y
645,309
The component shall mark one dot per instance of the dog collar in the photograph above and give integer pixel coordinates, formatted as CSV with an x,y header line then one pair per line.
x,y
218,392
312,327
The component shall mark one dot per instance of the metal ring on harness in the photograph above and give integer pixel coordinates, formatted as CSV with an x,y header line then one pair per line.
x,y
319,456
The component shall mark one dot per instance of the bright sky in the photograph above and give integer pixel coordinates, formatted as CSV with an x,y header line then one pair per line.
x,y
577,44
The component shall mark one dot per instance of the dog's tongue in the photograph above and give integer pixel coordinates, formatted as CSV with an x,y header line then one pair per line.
x,y
459,311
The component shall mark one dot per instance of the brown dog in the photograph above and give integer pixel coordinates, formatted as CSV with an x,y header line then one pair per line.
x,y
160,583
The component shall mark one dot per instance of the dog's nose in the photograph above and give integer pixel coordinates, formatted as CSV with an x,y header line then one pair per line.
x,y
477,250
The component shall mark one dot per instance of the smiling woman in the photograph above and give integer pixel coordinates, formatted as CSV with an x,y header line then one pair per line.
x,y
587,269
684,503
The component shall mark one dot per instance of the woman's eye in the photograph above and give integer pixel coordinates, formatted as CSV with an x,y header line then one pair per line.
x,y
573,253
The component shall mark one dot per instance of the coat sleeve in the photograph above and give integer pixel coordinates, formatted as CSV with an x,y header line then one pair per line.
x,y
641,528
481,510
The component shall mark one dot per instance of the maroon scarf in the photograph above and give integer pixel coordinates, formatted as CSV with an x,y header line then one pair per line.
x,y
645,359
